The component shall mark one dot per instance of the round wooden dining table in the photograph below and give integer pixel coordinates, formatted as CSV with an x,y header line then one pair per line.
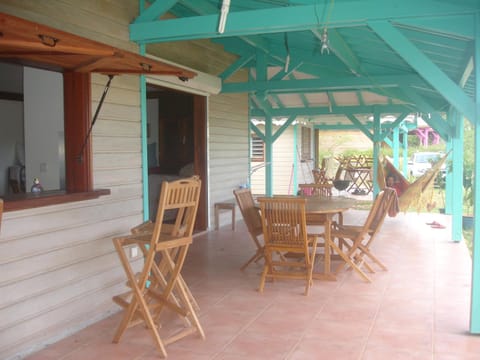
x,y
328,207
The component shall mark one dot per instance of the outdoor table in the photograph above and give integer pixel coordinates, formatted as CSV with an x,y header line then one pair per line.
x,y
327,206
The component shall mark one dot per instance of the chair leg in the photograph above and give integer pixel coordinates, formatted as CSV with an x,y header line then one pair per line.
x,y
257,256
137,303
349,262
262,278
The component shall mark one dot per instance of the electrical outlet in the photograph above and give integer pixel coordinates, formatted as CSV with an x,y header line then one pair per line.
x,y
134,251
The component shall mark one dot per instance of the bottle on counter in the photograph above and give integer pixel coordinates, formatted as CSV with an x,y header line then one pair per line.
x,y
36,187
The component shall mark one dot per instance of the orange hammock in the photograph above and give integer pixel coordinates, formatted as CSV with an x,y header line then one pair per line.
x,y
410,195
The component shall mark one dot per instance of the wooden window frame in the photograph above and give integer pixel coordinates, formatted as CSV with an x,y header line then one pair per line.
x,y
253,157
78,167
306,144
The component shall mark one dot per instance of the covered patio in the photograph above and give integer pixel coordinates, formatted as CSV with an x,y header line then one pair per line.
x,y
419,309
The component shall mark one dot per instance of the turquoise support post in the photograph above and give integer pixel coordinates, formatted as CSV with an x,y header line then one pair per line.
x,y
405,152
143,115
475,297
396,146
376,151
454,204
295,160
268,156
475,300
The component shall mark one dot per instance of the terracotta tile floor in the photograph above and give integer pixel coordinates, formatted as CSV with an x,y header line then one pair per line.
x,y
419,309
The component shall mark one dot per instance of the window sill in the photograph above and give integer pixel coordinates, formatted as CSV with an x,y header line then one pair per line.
x,y
26,201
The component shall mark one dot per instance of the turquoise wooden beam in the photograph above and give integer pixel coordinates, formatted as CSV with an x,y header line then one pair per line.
x,y
360,126
394,127
336,110
257,131
277,100
155,10
388,141
435,120
284,127
325,84
360,98
395,124
293,18
261,100
459,25
342,51
281,74
242,43
425,67
475,301
326,127
237,65
467,72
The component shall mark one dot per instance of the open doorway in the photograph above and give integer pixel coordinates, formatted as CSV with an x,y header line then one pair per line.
x,y
177,138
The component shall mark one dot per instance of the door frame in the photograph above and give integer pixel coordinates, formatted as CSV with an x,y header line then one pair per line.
x,y
200,151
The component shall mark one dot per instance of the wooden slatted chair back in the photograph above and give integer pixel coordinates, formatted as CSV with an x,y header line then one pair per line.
x,y
183,197
250,213
289,250
284,223
252,219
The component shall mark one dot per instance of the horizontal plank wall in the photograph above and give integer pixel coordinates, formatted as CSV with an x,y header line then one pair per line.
x,y
228,148
284,154
58,267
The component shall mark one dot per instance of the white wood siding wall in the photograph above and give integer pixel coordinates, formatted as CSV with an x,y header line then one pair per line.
x,y
58,267
284,154
228,149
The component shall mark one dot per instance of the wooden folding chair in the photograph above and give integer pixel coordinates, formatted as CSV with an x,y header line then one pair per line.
x,y
357,239
320,189
252,219
159,284
316,189
285,231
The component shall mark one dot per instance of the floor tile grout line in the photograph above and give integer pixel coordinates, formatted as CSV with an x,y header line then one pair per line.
x,y
374,320
240,331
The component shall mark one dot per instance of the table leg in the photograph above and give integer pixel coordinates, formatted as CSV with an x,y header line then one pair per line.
x,y
327,273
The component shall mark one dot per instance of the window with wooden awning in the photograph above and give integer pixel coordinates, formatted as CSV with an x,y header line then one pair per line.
x,y
34,45
30,43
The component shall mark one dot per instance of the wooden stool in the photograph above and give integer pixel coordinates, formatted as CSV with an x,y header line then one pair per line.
x,y
225,205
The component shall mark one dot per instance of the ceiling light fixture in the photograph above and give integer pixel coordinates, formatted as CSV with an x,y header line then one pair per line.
x,y
325,44
223,16
287,59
